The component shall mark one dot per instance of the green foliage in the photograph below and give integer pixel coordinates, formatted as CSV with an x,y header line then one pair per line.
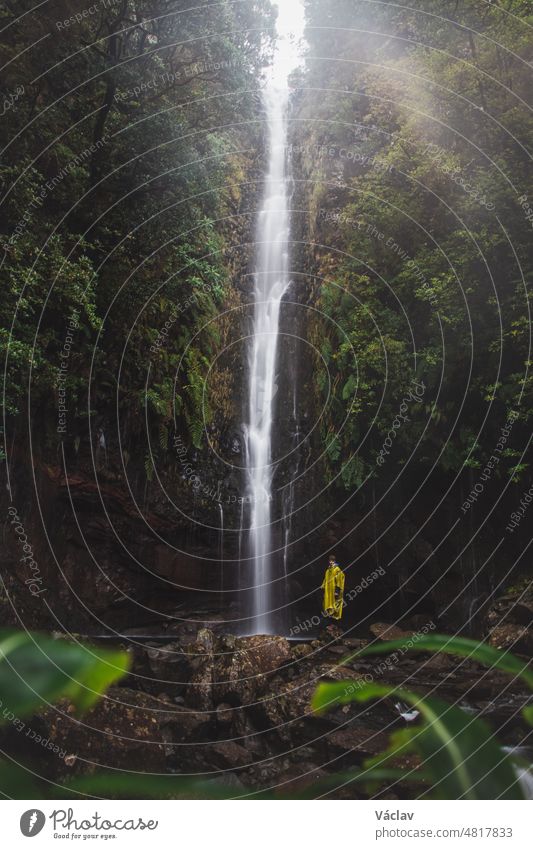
x,y
36,670
431,125
116,165
461,647
19,783
459,754
460,757
198,414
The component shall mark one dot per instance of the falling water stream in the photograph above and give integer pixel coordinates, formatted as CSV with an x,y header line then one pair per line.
x,y
271,283
221,553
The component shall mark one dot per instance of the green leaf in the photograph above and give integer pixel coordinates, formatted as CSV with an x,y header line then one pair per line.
x,y
372,777
458,752
35,668
19,783
16,782
134,786
461,646
138,786
528,714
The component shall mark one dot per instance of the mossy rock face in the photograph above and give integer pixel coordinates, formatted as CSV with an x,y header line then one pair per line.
x,y
262,654
515,638
233,670
384,631
125,730
358,738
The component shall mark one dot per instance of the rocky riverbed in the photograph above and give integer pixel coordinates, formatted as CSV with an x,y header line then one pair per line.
x,y
236,710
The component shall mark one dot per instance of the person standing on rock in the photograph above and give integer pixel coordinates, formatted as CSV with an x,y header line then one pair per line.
x,y
333,586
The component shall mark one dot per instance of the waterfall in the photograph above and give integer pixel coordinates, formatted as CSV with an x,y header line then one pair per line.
x,y
271,283
221,555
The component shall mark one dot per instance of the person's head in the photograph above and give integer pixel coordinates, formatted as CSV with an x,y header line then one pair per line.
x,y
332,559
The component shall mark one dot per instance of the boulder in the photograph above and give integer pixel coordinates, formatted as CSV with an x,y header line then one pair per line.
x,y
123,731
354,643
383,631
365,741
203,657
225,714
302,650
188,726
517,638
242,672
338,650
507,610
261,655
168,663
522,613
232,670
229,755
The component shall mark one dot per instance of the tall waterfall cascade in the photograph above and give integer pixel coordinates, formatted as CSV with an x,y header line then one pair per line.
x,y
271,283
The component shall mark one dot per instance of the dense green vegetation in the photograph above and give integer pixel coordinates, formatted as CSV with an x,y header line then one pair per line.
x,y
130,140
413,139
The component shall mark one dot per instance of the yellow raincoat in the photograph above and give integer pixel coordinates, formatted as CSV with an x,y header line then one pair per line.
x,y
333,579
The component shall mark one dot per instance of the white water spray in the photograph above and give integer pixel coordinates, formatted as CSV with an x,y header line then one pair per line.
x,y
271,283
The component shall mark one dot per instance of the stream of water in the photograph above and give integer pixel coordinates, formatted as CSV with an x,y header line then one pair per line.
x,y
271,283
